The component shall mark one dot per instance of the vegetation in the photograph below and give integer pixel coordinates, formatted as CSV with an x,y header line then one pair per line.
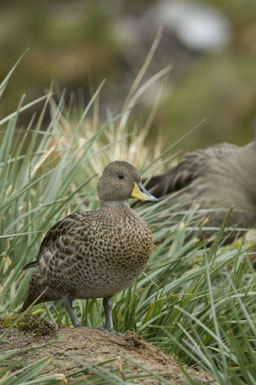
x,y
195,300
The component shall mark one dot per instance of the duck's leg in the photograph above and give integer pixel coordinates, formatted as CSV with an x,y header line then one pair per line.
x,y
68,305
108,313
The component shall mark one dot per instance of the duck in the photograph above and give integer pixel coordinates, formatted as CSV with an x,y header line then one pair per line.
x,y
221,177
95,254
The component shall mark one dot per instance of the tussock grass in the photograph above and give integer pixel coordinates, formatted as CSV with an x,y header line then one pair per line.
x,y
196,301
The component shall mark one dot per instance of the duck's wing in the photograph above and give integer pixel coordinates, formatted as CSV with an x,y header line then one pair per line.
x,y
64,226
179,176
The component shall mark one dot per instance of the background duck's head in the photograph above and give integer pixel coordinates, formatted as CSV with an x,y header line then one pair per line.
x,y
121,181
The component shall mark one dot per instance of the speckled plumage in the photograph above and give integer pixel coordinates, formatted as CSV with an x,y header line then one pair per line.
x,y
97,253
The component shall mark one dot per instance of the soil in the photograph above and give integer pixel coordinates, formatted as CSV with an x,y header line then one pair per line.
x,y
75,352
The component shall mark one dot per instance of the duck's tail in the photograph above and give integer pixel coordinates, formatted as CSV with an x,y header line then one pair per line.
x,y
30,264
39,291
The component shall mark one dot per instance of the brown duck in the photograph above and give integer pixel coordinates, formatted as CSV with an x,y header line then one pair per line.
x,y
221,176
95,254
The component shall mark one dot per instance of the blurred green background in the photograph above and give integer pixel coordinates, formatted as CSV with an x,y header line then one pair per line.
x,y
211,46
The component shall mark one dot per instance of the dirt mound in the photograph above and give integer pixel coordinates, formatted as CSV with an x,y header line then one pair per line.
x,y
81,352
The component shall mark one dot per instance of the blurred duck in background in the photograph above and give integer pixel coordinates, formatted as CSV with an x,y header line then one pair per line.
x,y
220,177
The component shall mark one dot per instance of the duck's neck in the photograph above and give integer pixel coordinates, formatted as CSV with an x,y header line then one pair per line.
x,y
112,204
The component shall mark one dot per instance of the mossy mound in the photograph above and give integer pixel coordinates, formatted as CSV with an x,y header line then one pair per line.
x,y
30,323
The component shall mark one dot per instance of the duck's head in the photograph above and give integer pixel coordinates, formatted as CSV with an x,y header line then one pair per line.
x,y
119,182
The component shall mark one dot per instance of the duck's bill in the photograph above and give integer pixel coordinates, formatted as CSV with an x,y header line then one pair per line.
x,y
139,192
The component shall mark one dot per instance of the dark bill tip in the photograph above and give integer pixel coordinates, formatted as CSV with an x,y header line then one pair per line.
x,y
150,197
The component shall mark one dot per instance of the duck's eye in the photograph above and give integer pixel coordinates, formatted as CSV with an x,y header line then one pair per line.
x,y
121,176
